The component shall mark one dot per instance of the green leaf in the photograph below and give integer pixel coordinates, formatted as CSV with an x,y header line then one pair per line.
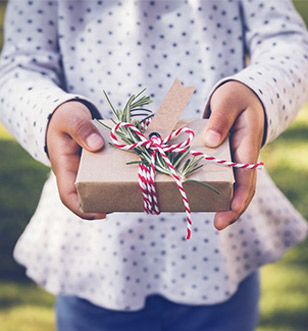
x,y
110,105
133,162
204,184
194,169
103,124
179,158
186,165
143,109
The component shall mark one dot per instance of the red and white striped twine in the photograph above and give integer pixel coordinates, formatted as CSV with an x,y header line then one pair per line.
x,y
226,163
147,174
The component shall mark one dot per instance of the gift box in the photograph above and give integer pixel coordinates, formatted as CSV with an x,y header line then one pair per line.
x,y
106,183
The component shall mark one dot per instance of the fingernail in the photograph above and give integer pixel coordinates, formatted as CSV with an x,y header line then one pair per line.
x,y
95,141
212,138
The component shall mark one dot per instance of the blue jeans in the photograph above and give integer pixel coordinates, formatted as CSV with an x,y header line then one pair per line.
x,y
239,313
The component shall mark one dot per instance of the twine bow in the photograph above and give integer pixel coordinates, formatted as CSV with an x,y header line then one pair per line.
x,y
147,174
157,145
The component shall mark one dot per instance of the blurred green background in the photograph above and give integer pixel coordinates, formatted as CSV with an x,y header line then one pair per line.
x,y
25,307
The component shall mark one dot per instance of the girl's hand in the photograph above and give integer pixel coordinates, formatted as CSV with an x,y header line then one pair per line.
x,y
70,129
235,108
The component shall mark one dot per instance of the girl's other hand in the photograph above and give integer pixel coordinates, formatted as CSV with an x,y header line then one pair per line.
x,y
235,108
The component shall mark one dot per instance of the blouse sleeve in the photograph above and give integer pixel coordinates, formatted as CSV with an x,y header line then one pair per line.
x,y
276,42
32,85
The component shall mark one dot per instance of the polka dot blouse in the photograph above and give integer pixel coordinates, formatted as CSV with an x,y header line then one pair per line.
x,y
63,50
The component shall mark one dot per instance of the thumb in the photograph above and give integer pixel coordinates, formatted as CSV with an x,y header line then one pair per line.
x,y
85,133
218,127
224,113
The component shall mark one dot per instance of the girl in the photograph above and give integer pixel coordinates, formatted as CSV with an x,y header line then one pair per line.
x,y
135,271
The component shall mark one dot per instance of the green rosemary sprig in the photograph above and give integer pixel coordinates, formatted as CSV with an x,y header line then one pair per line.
x,y
136,107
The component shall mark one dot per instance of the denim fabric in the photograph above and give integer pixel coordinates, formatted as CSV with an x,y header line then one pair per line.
x,y
239,313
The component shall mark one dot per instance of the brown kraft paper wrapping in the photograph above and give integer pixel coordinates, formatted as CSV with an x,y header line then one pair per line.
x,y
105,183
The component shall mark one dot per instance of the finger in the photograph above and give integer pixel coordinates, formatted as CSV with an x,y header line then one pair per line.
x,y
245,145
85,134
67,189
223,115
245,141
244,190
247,135
224,219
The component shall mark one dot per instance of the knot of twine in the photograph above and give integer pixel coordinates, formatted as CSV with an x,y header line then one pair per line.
x,y
156,145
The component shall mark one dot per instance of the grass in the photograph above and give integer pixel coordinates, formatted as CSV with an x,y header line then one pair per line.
x,y
24,307
302,7
284,301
